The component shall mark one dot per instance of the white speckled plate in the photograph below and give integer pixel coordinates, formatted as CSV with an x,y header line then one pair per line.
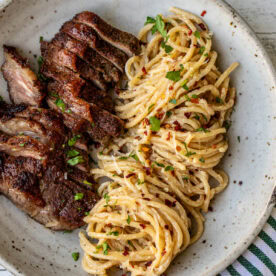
x,y
28,248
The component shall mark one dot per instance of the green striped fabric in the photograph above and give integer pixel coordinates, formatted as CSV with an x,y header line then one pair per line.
x,y
260,257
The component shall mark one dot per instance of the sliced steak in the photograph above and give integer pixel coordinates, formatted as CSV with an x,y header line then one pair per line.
x,y
119,39
87,34
46,196
70,80
23,85
22,126
23,146
90,94
82,49
72,121
65,58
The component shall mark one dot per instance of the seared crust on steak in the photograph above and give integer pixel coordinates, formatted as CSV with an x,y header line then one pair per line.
x,y
119,39
23,85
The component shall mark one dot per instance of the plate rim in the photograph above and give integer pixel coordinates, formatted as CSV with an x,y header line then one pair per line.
x,y
268,210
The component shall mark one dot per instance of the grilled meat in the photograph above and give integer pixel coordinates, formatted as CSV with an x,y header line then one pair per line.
x,y
109,71
62,57
23,146
46,195
23,85
119,39
87,34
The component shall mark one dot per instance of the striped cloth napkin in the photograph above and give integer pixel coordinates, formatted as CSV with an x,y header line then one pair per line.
x,y
258,260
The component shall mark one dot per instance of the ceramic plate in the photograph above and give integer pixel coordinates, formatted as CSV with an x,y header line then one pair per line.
x,y
238,214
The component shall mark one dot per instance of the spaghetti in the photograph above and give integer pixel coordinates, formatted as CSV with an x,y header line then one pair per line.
x,y
161,172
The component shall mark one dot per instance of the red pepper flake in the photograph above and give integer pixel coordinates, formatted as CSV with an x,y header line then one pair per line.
x,y
195,100
164,252
177,125
167,227
124,274
143,225
146,133
153,132
196,45
173,173
125,253
138,138
144,70
157,195
147,169
160,115
190,32
171,87
148,263
147,121
109,225
178,148
169,203
187,114
214,146
202,26
130,175
168,137
203,13
117,91
210,208
145,198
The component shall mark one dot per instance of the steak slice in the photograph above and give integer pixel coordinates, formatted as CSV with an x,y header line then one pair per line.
x,y
70,80
72,121
82,49
46,196
23,85
65,58
90,94
87,34
119,39
23,146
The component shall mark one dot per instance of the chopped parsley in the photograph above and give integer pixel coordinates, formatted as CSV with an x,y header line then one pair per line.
x,y
187,98
53,94
107,198
41,39
87,183
76,160
168,114
205,118
219,100
135,157
184,85
72,153
202,50
60,103
75,256
78,196
40,76
185,177
128,219
123,157
155,123
227,124
197,117
105,248
21,144
67,231
173,76
239,138
194,96
73,140
150,20
159,25
202,129
139,182
1,99
150,108
197,34
160,164
188,153
169,168
206,54
202,160
86,213
114,233
173,101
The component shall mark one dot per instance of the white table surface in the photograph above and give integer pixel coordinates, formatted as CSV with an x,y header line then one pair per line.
x,y
261,16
